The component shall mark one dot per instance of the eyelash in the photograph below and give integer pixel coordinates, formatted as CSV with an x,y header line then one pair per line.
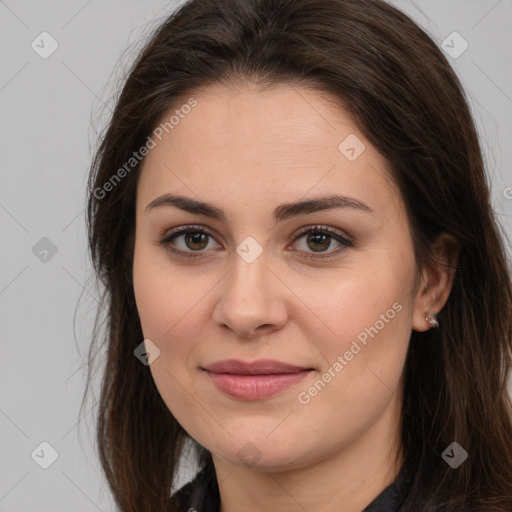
x,y
346,243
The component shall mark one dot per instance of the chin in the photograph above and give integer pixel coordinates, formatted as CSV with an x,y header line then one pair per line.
x,y
279,451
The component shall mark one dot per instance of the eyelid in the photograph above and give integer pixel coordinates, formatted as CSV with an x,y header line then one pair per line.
x,y
343,239
323,228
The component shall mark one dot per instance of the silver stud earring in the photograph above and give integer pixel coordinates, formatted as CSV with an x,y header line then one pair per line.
x,y
431,319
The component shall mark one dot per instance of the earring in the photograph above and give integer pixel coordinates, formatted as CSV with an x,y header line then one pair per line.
x,y
432,320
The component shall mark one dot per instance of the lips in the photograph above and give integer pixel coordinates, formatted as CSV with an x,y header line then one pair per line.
x,y
260,367
254,380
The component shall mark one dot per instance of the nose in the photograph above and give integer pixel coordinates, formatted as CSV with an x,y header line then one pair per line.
x,y
252,299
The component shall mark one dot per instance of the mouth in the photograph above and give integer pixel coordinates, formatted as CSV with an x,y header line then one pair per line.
x,y
254,380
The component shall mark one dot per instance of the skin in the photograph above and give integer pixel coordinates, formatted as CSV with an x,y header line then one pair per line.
x,y
247,150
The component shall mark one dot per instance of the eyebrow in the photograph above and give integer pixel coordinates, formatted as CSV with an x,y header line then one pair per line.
x,y
280,213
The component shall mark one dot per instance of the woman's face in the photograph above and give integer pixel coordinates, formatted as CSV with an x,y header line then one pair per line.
x,y
325,286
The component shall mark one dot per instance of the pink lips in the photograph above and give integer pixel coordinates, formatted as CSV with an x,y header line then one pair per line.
x,y
256,380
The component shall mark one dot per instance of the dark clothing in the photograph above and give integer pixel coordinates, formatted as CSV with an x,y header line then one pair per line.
x,y
202,493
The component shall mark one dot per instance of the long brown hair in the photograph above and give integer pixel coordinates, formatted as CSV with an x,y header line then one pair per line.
x,y
409,103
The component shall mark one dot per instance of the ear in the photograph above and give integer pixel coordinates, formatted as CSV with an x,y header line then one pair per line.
x,y
436,281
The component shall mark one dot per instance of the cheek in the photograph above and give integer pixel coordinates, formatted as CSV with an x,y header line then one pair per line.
x,y
370,312
171,304
363,359
166,298
369,344
168,304
374,293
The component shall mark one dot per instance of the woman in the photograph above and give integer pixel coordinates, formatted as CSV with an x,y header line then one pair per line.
x,y
304,277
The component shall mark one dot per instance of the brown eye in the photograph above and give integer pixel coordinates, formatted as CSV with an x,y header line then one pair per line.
x,y
187,241
196,241
319,240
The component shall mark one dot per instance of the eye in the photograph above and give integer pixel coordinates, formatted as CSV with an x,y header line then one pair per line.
x,y
319,239
188,240
193,239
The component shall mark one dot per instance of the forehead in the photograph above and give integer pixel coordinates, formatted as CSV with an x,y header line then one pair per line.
x,y
253,145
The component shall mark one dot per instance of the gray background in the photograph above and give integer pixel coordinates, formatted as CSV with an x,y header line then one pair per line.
x,y
51,110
